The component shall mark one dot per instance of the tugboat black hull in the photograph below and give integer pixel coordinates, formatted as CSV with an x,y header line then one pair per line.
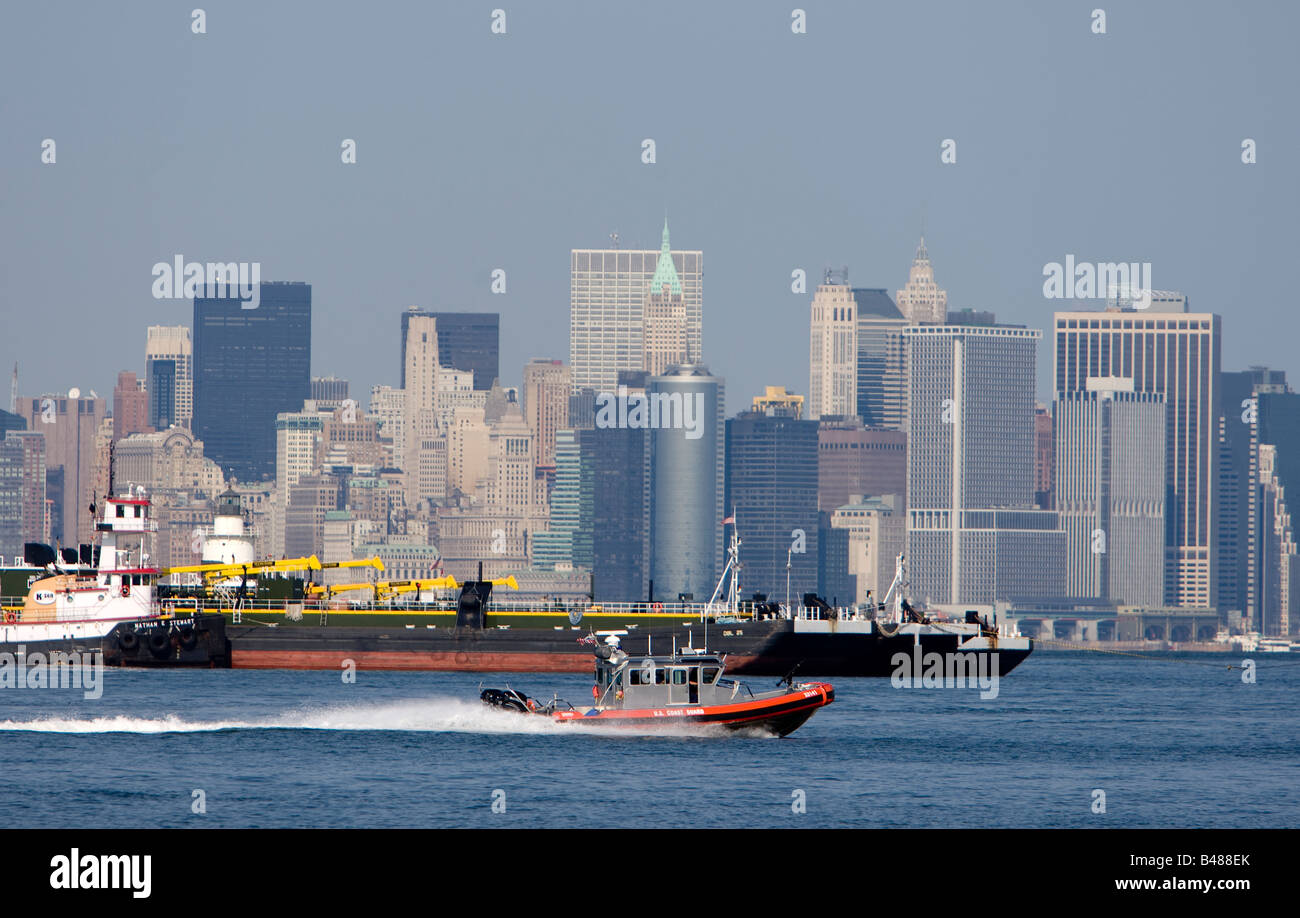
x,y
185,641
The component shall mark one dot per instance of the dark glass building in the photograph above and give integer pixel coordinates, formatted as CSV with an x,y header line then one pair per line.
x,y
834,582
466,341
249,365
9,421
611,538
161,392
880,358
772,488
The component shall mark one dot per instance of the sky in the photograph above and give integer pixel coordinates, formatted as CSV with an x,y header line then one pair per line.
x,y
774,151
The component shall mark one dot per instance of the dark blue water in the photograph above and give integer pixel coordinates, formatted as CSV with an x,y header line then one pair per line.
x,y
1171,743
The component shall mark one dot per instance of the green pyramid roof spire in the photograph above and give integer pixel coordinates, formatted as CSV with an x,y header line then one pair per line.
x,y
665,271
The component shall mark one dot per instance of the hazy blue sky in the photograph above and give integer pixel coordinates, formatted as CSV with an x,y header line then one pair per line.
x,y
775,151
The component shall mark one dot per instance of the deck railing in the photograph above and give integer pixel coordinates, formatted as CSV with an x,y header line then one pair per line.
x,y
498,606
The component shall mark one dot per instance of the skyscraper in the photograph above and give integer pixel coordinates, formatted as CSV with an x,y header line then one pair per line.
x,y
22,492
250,365
613,536
1176,355
10,421
328,392
553,548
852,459
130,407
299,438
833,350
70,424
420,363
425,459
1110,492
666,335
468,341
867,533
973,532
771,488
687,468
1044,458
880,359
169,376
546,405
921,300
1276,555
1238,499
608,293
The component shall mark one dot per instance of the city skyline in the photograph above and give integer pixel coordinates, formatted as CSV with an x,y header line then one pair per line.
x,y
1032,183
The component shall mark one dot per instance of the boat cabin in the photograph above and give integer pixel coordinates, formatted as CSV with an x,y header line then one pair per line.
x,y
682,678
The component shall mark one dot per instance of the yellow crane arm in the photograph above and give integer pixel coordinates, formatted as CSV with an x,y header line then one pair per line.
x,y
221,571
392,587
376,562
316,589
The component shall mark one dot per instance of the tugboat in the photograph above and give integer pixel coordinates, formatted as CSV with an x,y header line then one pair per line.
x,y
685,687
103,599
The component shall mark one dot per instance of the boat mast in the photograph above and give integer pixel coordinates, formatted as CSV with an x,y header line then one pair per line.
x,y
896,588
732,568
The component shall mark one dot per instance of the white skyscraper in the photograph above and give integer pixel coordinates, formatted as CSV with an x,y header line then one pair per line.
x,y
833,350
425,448
608,292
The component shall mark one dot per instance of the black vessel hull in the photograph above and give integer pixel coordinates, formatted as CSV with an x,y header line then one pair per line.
x,y
187,640
764,648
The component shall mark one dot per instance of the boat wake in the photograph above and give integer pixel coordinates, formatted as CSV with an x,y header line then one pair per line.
x,y
425,715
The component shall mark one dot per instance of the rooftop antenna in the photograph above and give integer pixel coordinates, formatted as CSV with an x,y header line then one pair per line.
x,y
13,391
613,238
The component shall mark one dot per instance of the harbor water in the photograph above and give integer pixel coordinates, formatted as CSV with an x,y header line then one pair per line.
x,y
1168,741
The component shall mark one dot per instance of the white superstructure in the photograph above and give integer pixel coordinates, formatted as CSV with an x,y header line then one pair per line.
x,y
85,602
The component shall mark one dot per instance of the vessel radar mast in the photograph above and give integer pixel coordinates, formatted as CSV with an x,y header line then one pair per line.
x,y
733,568
898,588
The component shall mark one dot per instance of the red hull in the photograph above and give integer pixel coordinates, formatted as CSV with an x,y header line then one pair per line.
x,y
780,715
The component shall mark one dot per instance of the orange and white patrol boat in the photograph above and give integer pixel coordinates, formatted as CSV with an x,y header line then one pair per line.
x,y
685,687
104,598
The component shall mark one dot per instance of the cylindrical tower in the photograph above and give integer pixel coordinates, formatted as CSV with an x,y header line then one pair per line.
x,y
687,463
